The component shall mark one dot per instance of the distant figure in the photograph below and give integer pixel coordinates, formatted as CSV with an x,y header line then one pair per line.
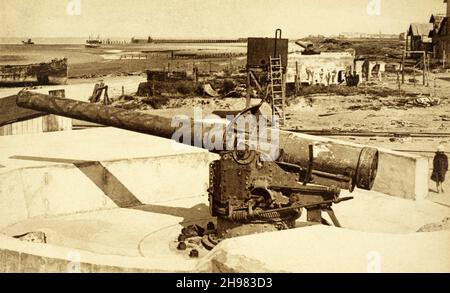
x,y
440,167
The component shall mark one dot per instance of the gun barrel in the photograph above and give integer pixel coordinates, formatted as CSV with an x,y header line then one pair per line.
x,y
334,162
96,113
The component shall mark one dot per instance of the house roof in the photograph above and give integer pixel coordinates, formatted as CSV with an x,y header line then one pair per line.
x,y
420,29
436,20
443,25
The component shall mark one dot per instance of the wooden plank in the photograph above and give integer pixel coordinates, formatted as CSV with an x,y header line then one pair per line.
x,y
10,112
39,127
14,129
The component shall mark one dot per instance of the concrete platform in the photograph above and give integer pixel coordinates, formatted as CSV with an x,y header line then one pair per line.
x,y
95,169
110,200
322,249
112,240
101,191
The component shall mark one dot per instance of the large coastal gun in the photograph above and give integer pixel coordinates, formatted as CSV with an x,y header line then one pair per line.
x,y
247,193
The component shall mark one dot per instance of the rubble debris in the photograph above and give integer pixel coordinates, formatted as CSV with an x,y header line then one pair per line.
x,y
195,240
402,123
36,237
232,94
207,89
333,113
99,89
145,89
193,231
210,226
433,227
365,107
427,102
445,117
162,75
193,253
181,245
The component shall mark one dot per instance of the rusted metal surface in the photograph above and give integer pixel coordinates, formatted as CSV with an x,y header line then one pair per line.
x,y
356,163
110,116
259,50
343,165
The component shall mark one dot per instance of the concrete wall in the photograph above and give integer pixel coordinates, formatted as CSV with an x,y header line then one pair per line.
x,y
399,174
38,183
402,175
19,256
66,189
324,249
318,66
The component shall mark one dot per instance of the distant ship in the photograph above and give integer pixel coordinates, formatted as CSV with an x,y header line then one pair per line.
x,y
46,73
28,42
93,43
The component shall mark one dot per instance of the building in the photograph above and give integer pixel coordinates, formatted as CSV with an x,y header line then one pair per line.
x,y
441,35
418,37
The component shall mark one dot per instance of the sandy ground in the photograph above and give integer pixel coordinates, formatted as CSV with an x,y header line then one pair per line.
x,y
303,114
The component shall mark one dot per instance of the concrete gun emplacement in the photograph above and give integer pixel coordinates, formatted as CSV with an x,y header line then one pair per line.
x,y
248,194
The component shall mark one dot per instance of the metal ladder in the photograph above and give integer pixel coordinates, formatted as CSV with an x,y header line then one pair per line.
x,y
277,89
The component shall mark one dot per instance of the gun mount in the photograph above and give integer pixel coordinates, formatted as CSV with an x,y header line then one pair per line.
x,y
248,194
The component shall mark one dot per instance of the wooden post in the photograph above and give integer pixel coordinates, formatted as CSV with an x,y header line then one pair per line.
x,y
195,70
248,98
424,67
153,85
444,56
434,81
403,67
296,78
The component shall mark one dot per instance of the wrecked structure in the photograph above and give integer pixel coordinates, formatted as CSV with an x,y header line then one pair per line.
x,y
309,66
369,68
51,73
163,75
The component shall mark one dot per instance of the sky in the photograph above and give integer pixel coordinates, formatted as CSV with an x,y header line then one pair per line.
x,y
209,18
